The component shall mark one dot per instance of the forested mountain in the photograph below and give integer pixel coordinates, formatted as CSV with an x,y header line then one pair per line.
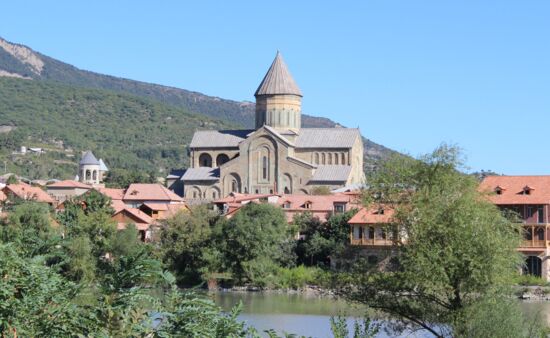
x,y
126,130
18,61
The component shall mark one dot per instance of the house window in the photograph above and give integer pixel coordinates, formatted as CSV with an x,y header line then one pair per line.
x,y
371,233
498,191
356,232
286,205
264,168
307,205
540,214
530,212
339,208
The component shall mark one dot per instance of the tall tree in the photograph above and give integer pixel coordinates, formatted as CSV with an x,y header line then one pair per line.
x,y
459,250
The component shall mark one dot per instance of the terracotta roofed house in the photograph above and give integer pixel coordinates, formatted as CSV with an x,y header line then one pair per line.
x,y
370,227
529,197
27,192
67,189
140,193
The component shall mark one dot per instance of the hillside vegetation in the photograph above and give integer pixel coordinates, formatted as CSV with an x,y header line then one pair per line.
x,y
20,60
127,131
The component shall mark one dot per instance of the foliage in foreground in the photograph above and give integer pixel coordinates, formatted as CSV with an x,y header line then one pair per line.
x,y
83,278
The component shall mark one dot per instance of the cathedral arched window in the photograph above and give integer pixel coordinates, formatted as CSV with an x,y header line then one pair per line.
x,y
316,158
265,169
343,158
329,158
205,160
336,158
94,175
221,159
234,186
88,175
323,158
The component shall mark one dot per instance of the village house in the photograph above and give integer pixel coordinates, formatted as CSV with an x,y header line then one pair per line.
x,y
138,194
26,192
529,198
68,189
143,222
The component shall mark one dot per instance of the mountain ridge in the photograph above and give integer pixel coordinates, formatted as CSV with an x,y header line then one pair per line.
x,y
17,60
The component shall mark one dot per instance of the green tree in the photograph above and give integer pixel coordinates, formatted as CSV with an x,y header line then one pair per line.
x,y
122,178
321,241
184,240
253,235
459,251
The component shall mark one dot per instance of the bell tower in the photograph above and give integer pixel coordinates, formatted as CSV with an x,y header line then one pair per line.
x,y
278,98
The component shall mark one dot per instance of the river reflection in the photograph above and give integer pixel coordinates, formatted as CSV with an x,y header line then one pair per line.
x,y
309,315
306,315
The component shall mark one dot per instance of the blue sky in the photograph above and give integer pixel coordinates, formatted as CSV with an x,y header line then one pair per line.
x,y
410,74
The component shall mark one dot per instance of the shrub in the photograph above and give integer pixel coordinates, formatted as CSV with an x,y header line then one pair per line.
x,y
530,280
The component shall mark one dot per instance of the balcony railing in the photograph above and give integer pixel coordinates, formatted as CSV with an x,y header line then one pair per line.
x,y
537,243
372,242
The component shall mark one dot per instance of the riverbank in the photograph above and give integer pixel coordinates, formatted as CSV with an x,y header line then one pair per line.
x,y
524,293
533,293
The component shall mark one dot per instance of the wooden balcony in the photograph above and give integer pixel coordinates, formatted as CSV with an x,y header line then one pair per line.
x,y
372,242
534,244
534,237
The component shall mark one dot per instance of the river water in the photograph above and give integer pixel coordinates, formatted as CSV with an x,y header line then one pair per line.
x,y
309,315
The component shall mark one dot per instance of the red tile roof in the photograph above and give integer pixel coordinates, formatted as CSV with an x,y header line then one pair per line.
x,y
114,194
27,192
69,184
150,192
512,188
157,206
142,220
118,205
372,215
320,206
237,198
317,202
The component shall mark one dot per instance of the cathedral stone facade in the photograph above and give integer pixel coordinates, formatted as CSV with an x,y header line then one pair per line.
x,y
278,156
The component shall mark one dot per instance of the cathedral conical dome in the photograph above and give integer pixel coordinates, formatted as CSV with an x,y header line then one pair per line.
x,y
278,98
278,80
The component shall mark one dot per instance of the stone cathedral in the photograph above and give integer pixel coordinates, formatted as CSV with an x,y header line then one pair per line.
x,y
278,156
